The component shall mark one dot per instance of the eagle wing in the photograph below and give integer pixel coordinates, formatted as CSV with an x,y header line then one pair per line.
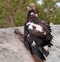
x,y
35,29
33,33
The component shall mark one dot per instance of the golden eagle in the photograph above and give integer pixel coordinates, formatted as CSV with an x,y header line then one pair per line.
x,y
37,33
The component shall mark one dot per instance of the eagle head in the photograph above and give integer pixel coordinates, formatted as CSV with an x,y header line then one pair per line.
x,y
32,7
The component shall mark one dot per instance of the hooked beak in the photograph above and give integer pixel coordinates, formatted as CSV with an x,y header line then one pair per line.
x,y
28,8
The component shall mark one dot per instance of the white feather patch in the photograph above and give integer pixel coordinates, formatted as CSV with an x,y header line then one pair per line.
x,y
38,27
33,44
34,14
28,35
46,48
44,33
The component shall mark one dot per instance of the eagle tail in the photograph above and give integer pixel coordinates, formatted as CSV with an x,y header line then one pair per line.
x,y
38,53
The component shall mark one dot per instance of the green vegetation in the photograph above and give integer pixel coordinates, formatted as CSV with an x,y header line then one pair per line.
x,y
49,12
13,12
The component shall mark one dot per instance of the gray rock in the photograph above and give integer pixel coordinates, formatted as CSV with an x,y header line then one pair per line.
x,y
11,47
54,55
13,50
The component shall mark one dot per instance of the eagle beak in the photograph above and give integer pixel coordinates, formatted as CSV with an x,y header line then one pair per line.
x,y
28,8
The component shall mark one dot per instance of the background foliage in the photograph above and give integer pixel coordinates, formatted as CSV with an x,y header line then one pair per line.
x,y
13,12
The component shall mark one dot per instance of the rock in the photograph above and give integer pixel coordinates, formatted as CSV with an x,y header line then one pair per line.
x,y
13,50
54,55
11,47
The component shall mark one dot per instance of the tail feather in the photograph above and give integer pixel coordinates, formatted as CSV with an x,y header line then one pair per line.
x,y
38,53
